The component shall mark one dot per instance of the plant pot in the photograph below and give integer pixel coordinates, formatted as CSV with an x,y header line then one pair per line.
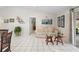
x,y
18,33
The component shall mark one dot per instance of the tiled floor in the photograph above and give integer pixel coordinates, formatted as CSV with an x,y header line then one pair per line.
x,y
77,40
33,44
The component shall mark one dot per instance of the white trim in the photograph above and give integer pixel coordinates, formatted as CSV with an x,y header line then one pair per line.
x,y
73,29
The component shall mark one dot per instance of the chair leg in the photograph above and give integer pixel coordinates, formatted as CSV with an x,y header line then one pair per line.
x,y
62,42
57,43
10,50
46,43
52,42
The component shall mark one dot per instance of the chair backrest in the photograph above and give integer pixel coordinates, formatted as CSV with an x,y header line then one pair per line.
x,y
9,35
3,37
5,41
9,39
1,31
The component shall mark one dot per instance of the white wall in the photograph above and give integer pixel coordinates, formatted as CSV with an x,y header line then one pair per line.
x,y
24,13
66,29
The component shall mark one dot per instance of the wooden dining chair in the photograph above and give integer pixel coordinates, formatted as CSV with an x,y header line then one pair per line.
x,y
58,39
5,41
49,39
9,40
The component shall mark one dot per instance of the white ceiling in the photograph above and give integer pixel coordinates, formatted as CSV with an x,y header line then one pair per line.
x,y
47,9
53,9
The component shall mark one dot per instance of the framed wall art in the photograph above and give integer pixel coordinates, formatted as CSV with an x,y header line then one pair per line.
x,y
47,21
61,21
6,20
11,19
58,22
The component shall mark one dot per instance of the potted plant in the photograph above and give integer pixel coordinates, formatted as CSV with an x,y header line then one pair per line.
x,y
17,31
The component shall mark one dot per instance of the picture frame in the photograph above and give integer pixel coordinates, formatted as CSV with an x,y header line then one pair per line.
x,y
11,19
20,20
6,20
47,21
61,21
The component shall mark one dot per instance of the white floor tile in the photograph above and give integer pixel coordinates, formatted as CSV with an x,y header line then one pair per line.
x,y
33,44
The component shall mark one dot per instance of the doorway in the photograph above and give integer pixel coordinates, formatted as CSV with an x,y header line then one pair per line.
x,y
75,26
76,12
32,24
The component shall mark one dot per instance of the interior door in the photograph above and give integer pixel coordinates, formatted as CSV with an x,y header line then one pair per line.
x,y
32,23
75,27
